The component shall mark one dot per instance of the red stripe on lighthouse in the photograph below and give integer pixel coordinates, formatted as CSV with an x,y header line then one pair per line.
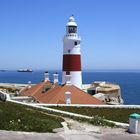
x,y
71,63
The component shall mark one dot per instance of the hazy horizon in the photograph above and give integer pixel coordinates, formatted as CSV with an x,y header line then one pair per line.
x,y
43,69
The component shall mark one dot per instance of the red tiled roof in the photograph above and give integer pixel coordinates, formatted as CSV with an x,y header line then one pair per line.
x,y
35,91
56,95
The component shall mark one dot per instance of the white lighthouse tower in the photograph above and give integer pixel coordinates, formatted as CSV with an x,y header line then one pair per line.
x,y
72,54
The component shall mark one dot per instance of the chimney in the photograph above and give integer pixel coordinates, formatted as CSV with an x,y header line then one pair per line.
x,y
68,97
46,75
55,75
29,84
68,79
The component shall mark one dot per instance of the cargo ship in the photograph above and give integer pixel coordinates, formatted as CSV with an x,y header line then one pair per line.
x,y
24,70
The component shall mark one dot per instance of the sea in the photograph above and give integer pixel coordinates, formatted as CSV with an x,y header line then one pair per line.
x,y
129,80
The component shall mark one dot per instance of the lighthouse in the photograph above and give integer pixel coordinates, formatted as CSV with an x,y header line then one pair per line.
x,y
72,54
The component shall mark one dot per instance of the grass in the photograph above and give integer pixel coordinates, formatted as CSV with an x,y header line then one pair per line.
x,y
23,118
97,121
114,114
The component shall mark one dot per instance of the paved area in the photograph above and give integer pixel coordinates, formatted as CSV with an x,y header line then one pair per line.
x,y
117,134
73,130
11,135
81,131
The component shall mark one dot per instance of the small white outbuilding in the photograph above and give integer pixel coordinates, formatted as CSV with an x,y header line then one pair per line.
x,y
134,123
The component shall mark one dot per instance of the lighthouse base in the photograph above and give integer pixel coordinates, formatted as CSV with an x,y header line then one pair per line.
x,y
76,78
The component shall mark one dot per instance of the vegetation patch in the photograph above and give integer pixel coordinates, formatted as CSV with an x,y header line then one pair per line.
x,y
10,89
102,122
23,118
98,121
114,114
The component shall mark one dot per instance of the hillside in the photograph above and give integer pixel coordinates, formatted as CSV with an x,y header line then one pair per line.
x,y
23,118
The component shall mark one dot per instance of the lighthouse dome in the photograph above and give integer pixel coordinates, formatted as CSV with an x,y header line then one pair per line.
x,y
71,22
71,19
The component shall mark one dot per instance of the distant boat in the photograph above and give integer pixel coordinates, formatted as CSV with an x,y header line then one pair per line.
x,y
24,70
3,70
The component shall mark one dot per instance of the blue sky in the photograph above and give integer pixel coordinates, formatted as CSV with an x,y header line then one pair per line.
x,y
31,33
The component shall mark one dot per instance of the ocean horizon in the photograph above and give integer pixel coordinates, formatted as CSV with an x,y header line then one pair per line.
x,y
129,80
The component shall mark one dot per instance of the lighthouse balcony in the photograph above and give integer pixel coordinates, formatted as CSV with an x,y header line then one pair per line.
x,y
72,35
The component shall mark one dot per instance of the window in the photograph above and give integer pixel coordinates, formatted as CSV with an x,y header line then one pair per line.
x,y
68,51
75,43
67,73
72,29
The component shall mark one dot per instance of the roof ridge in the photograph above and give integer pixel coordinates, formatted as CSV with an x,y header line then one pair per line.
x,y
49,91
39,89
28,89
